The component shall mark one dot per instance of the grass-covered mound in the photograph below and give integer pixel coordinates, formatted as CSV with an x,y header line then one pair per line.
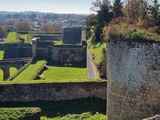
x,y
31,71
17,113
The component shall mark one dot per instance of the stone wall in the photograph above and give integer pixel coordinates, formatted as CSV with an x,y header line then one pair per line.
x,y
17,51
133,80
76,54
52,91
72,35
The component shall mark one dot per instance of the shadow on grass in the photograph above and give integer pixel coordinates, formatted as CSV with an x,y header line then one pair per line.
x,y
62,108
74,65
58,64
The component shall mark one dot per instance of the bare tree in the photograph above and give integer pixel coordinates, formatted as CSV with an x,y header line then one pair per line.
x,y
48,27
23,26
3,31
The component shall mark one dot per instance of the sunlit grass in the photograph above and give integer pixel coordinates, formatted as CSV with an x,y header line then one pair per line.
x,y
16,113
25,37
12,38
1,54
58,43
12,72
82,116
31,71
99,52
66,73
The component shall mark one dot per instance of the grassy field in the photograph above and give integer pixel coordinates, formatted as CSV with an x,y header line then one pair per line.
x,y
26,38
68,110
66,72
13,37
1,54
58,43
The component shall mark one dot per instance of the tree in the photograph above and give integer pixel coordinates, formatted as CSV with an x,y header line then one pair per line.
x,y
155,11
16,16
91,20
33,16
117,8
8,16
136,8
48,27
3,31
23,26
104,15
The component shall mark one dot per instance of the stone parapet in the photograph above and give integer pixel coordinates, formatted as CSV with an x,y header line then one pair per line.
x,y
52,91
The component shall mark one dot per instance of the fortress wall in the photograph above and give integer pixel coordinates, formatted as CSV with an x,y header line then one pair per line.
x,y
2,46
133,80
17,52
77,54
52,91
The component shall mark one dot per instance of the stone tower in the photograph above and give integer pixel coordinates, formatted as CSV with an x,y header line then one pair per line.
x,y
133,79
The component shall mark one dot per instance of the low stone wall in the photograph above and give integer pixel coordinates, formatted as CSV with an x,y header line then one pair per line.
x,y
52,91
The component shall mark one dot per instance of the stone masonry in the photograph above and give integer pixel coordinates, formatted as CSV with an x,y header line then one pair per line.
x,y
52,91
133,80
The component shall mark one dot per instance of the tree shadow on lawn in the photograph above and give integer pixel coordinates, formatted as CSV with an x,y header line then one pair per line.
x,y
61,108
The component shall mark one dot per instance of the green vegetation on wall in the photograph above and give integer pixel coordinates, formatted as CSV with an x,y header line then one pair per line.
x,y
98,51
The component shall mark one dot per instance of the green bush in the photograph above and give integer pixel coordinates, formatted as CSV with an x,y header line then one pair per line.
x,y
137,36
16,113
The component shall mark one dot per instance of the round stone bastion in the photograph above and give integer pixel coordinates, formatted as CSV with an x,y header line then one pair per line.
x,y
133,72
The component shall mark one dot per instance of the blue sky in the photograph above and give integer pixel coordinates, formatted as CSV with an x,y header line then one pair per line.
x,y
55,6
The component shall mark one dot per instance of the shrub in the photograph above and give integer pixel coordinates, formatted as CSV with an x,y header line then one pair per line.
x,y
137,36
124,28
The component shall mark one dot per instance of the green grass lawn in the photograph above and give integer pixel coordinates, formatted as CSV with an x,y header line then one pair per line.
x,y
30,72
1,54
54,73
14,36
58,43
25,37
12,72
99,52
66,73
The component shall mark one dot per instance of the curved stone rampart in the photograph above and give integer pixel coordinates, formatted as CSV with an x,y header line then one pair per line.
x,y
133,80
